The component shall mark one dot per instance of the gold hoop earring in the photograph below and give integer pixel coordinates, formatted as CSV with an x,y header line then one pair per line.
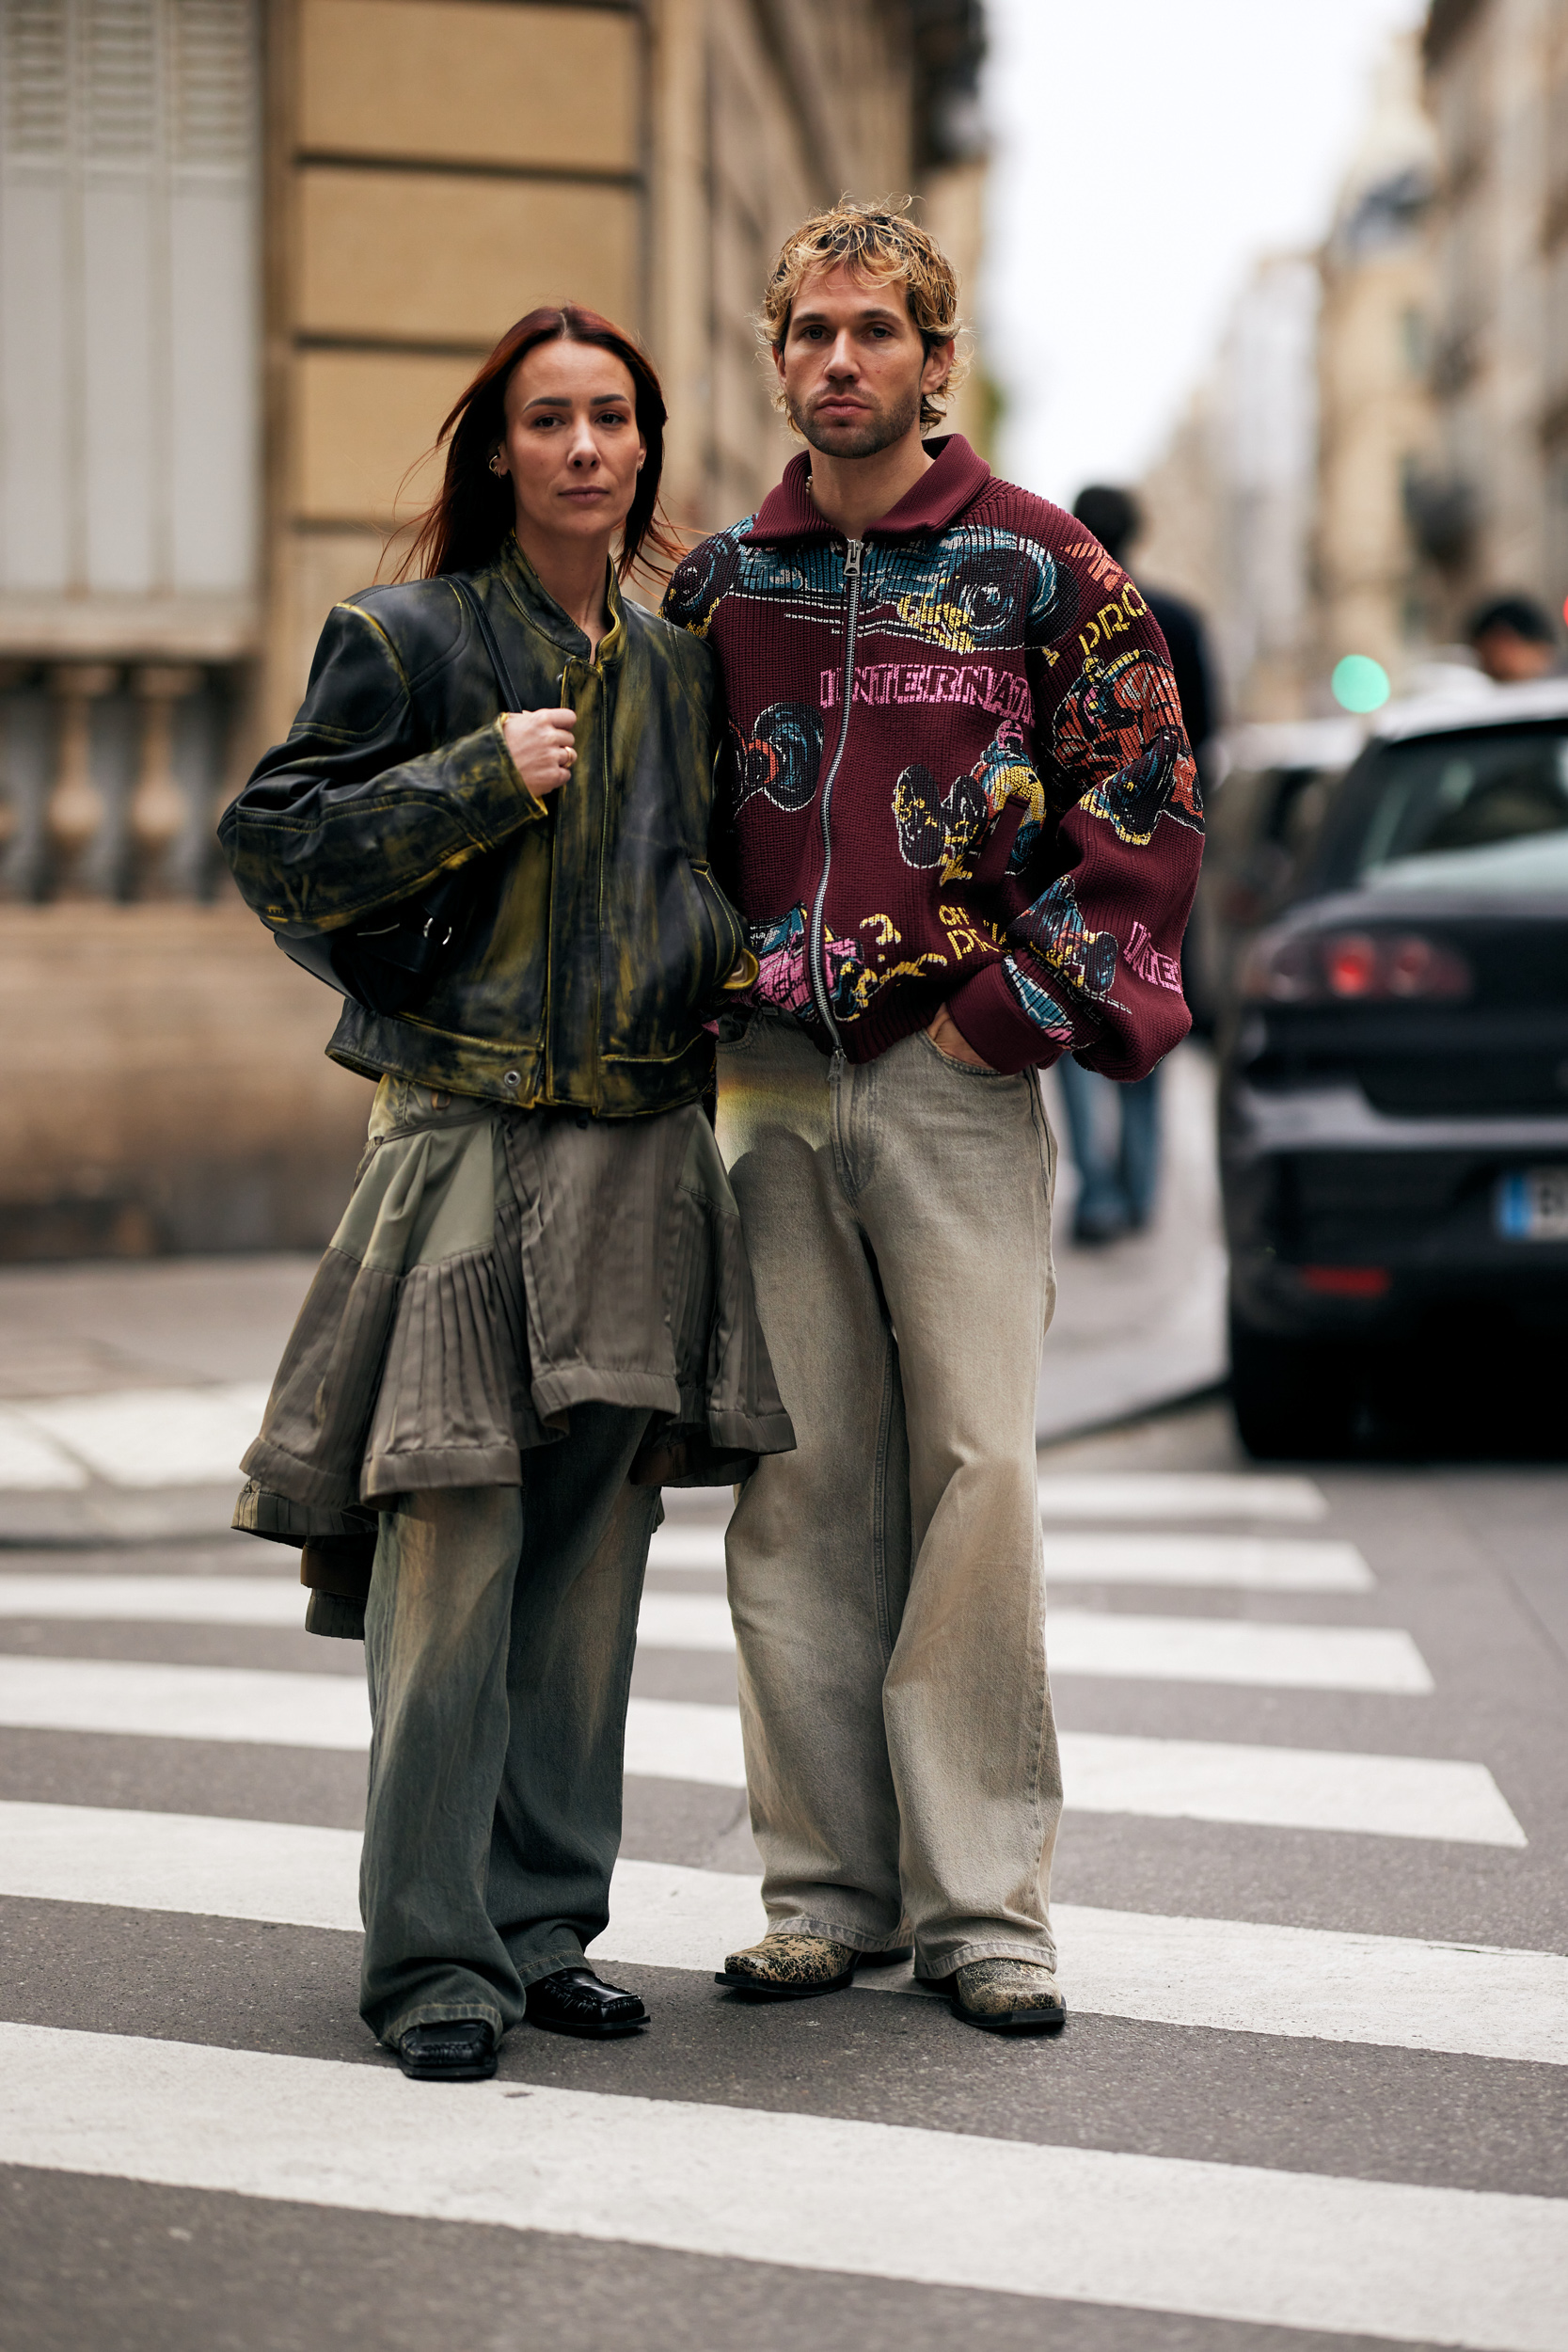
x,y
497,464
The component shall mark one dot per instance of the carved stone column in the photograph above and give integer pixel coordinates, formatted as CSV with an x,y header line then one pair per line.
x,y
13,674
160,810
76,806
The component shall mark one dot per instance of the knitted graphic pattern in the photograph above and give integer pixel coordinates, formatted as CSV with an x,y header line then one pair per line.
x,y
958,775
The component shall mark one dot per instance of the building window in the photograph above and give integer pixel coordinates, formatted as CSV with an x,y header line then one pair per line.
x,y
129,298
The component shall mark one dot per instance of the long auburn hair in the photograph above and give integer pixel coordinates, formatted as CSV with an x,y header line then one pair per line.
x,y
467,524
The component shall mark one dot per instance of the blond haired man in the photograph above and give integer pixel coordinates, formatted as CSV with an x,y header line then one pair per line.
x,y
961,819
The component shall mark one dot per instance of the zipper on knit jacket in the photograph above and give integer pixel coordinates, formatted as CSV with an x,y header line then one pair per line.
x,y
818,938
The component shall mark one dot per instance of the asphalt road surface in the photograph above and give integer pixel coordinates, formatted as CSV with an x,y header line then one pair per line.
x,y
1312,1891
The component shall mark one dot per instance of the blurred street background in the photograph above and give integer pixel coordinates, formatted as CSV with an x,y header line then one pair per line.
x,y
1279,300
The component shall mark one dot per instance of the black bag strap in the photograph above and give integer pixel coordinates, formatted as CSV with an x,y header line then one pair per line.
x,y
474,604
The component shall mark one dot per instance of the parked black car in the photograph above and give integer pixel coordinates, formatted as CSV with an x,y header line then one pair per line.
x,y
1262,801
1394,1081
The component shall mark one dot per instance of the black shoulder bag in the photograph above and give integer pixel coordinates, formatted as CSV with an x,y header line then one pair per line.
x,y
395,956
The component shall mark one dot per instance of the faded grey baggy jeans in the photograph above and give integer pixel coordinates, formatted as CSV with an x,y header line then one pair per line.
x,y
498,1643
886,1577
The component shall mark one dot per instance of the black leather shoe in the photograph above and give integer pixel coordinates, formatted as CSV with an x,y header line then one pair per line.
x,y
463,2050
574,2001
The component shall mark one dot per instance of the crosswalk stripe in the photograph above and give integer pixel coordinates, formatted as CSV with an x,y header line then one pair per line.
x,y
153,1437
1165,1649
191,1436
1225,1973
1232,2242
1178,1495
687,1544
1273,1563
252,1601
1195,1780
680,1739
240,1703
31,1461
1260,1564
1082,1642
1318,1789
1388,1796
1225,1649
1264,1563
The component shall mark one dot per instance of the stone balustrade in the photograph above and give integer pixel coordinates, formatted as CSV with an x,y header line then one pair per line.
x,y
112,777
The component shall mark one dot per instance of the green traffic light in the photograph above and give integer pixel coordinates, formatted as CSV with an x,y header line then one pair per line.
x,y
1360,683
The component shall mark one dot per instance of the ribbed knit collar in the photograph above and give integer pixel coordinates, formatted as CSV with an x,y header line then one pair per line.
x,y
953,482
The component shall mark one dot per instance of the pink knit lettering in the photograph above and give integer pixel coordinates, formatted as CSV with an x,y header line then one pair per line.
x,y
967,686
1142,957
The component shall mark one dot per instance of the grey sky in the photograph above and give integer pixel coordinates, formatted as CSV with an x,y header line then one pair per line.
x,y
1144,153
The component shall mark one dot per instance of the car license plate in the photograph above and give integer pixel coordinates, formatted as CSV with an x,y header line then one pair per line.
x,y
1532,1204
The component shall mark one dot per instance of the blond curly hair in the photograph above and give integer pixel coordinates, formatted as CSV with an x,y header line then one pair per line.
x,y
880,245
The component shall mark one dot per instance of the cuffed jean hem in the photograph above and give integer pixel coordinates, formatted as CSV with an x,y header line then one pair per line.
x,y
858,1939
442,2014
1042,1955
448,2012
529,1971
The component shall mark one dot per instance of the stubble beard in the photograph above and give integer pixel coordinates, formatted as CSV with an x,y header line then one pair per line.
x,y
876,431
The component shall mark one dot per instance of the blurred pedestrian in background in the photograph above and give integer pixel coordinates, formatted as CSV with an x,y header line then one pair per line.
x,y
1513,638
1114,1129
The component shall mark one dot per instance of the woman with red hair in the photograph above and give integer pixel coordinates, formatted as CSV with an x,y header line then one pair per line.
x,y
488,828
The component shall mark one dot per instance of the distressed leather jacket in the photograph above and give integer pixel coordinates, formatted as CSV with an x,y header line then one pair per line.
x,y
597,939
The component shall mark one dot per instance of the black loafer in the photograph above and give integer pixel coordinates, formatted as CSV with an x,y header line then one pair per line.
x,y
463,2050
572,2000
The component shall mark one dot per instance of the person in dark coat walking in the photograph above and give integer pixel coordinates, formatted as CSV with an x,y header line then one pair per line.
x,y
1119,1181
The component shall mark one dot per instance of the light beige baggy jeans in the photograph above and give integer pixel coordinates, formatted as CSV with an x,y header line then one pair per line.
x,y
886,1577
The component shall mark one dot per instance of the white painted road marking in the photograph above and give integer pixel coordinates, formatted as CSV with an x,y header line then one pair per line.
x,y
1232,1649
1179,1495
183,1436
255,1600
29,1459
1082,1642
1319,1788
291,1710
679,1740
1219,2241
1260,1564
1164,1649
1225,1973
687,1544
1196,1780
1386,1796
153,1437
1254,1564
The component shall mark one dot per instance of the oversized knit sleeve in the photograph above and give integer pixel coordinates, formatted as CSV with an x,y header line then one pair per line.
x,y
1092,964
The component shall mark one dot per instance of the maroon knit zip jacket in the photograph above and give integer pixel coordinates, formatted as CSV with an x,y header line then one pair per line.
x,y
958,775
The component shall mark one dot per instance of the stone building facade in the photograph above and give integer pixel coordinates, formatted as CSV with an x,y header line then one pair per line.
x,y
1493,514
1228,501
251,251
1372,592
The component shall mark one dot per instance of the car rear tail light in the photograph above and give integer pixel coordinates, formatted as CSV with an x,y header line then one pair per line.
x,y
1352,967
1420,967
1347,1281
